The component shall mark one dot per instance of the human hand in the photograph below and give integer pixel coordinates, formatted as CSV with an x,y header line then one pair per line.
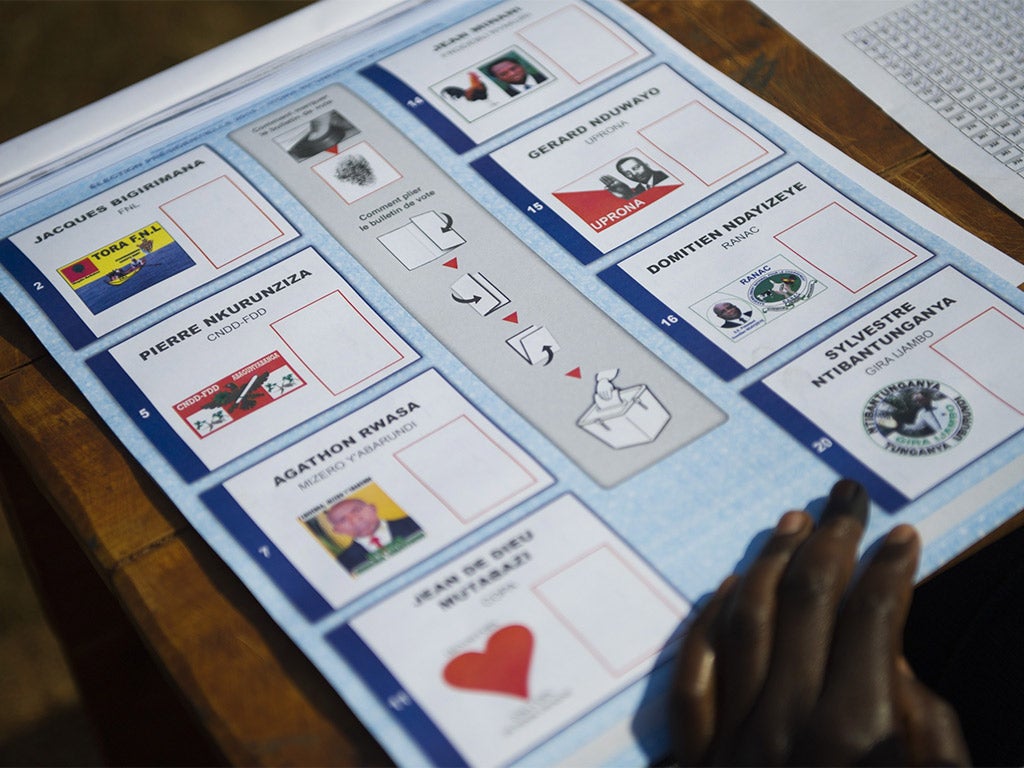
x,y
604,389
796,663
319,127
606,394
617,187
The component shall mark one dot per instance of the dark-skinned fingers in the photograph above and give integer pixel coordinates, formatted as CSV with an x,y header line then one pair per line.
x,y
746,626
931,727
858,711
869,634
809,595
693,697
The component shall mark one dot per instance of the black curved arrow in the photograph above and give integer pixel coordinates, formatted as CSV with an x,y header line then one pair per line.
x,y
551,353
448,221
474,300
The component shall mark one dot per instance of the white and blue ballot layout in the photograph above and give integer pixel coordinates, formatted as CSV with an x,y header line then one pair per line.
x,y
481,345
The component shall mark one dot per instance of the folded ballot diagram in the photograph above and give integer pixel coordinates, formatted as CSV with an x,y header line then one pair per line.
x,y
510,325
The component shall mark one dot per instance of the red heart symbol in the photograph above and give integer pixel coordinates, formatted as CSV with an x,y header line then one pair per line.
x,y
503,667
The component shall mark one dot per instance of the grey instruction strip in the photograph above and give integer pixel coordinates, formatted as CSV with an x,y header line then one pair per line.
x,y
603,398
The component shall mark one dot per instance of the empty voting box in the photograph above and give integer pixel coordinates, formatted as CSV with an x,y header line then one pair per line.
x,y
637,418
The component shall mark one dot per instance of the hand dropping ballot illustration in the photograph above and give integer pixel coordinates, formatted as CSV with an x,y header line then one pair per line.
x,y
623,417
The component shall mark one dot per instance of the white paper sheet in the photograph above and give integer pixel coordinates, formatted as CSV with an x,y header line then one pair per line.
x,y
950,72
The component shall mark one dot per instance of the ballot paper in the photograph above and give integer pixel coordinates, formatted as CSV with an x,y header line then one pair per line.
x,y
480,344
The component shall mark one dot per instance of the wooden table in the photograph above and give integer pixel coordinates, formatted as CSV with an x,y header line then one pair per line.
x,y
167,644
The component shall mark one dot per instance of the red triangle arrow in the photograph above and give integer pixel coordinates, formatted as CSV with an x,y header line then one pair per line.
x,y
513,318
453,263
333,150
575,373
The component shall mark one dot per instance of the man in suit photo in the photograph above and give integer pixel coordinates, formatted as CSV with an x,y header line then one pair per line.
x,y
640,173
373,538
514,75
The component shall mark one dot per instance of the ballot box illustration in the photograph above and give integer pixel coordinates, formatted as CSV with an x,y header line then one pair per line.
x,y
636,417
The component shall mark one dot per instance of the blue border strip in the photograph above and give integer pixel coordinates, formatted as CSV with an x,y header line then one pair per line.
x,y
268,557
43,291
421,109
837,457
379,679
544,217
154,426
683,333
